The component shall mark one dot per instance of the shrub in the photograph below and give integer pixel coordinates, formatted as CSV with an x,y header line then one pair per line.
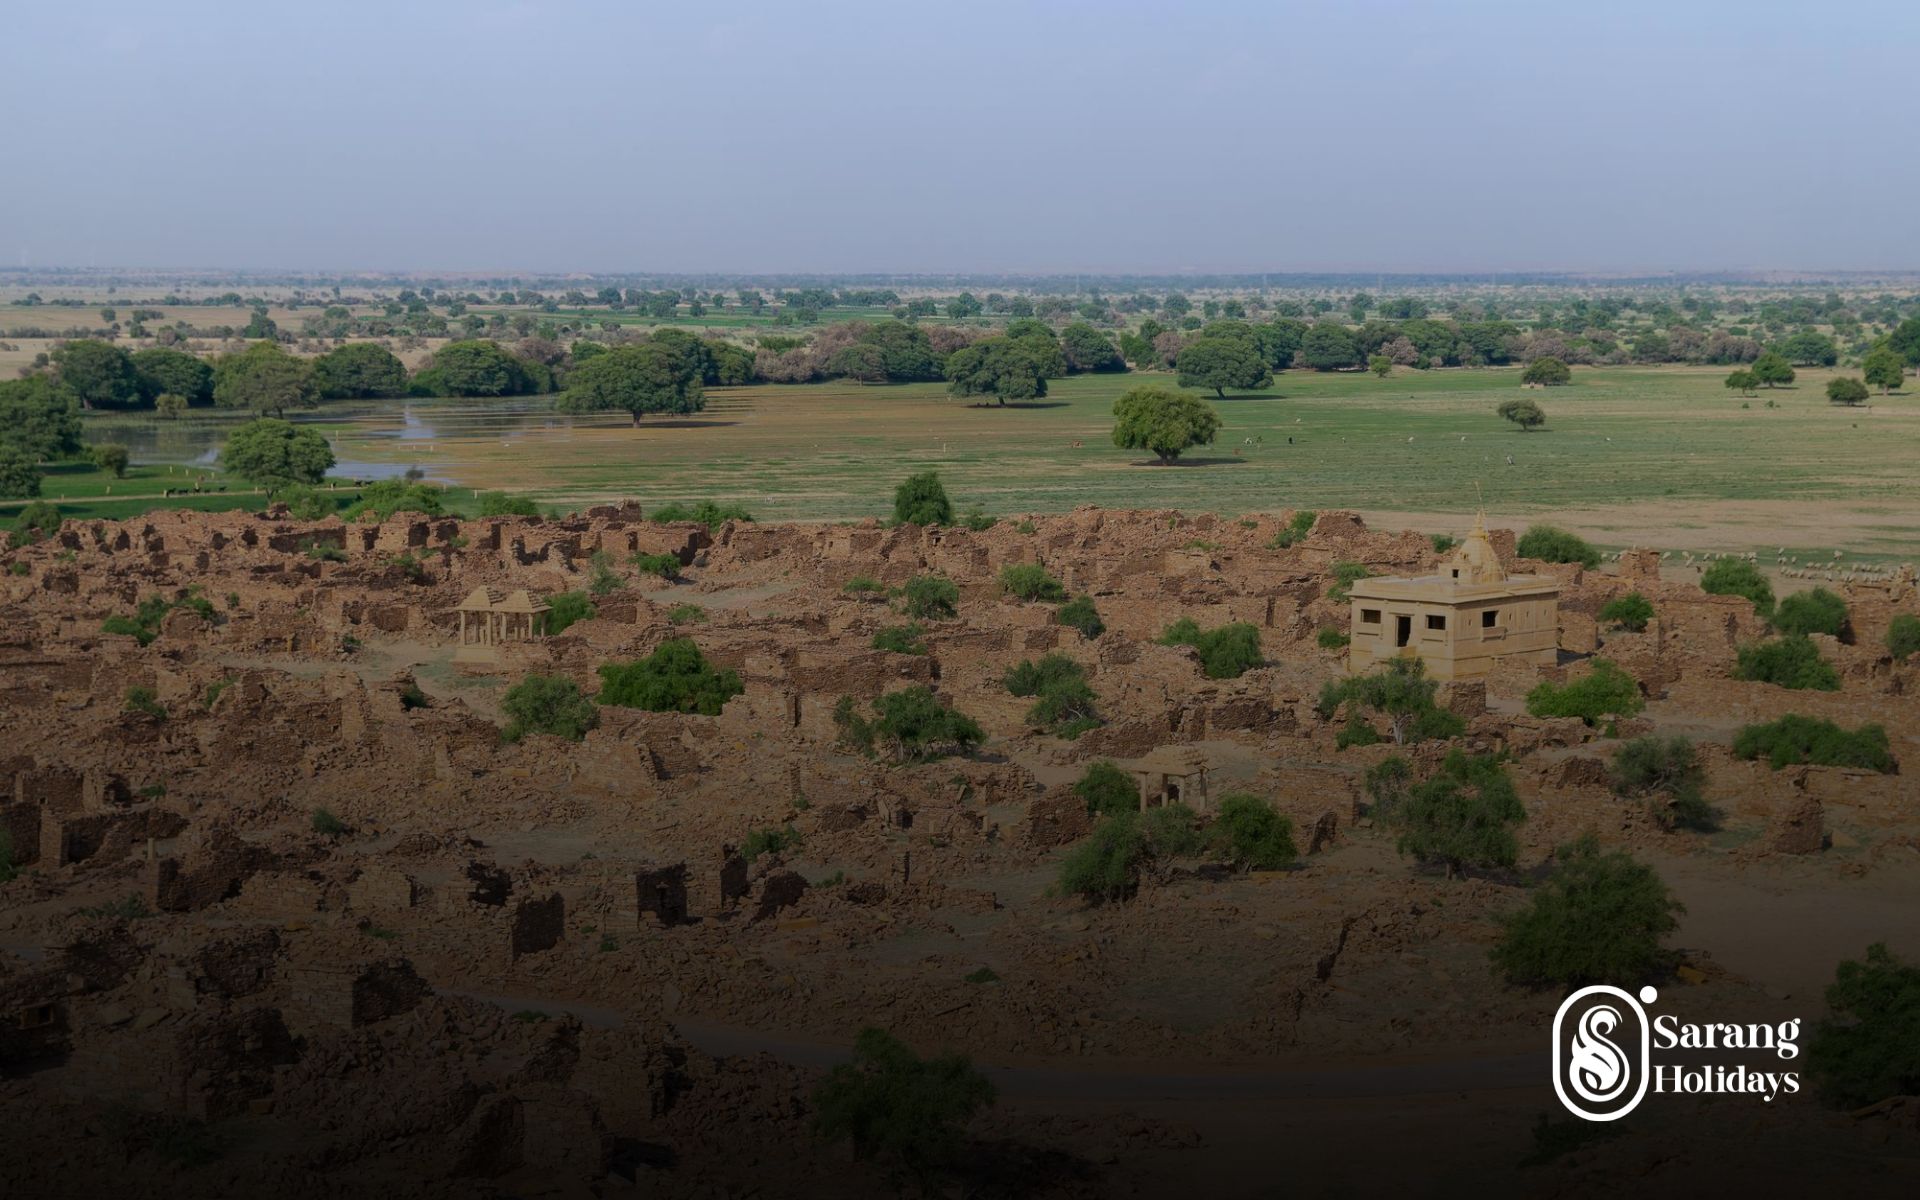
x,y
1903,636
1356,732
1031,678
1604,691
982,975
1345,575
1788,662
863,585
566,608
1869,1049
1402,692
910,725
142,701
920,500
1108,866
1738,577
1079,613
306,503
1463,816
1817,611
602,578
1387,783
389,496
36,521
706,512
1225,653
1667,774
1598,918
666,566
325,552
1331,638
1630,612
978,521
674,678
1107,789
686,614
1547,372
1795,739
326,824
890,1104
1550,544
901,639
1030,581
1442,542
930,597
144,625
1251,835
1296,528
769,841
500,504
1524,413
547,704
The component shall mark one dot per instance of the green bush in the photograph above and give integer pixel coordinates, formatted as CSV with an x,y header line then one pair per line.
x,y
35,522
1788,662
326,824
910,725
1225,653
1030,581
1402,692
1630,612
1738,577
1107,789
144,625
706,512
674,678
325,552
1345,575
1079,613
306,503
566,608
1387,783
1331,638
1817,611
1442,542
141,700
1298,527
666,566
602,579
389,496
1869,1049
931,597
1251,835
500,504
863,585
1903,636
1031,678
1795,739
686,614
1463,816
769,841
978,521
547,704
1604,691
1666,773
920,500
1356,732
1551,544
1108,866
1598,918
892,1105
901,639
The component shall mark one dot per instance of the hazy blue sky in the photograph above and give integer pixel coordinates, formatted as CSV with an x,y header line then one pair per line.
x,y
976,136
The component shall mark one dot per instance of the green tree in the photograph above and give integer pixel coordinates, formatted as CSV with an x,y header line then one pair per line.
x,y
1772,370
39,419
1869,1049
1080,614
1328,346
1903,636
1745,381
1547,372
894,1106
1667,774
477,367
1846,390
1401,691
642,379
1794,739
1604,691
19,477
1003,368
1816,611
264,379
1550,543
674,678
910,725
1809,348
1107,789
99,374
1163,421
1225,653
1222,363
162,370
1599,917
1884,368
1087,349
1463,816
1380,365
1109,865
358,371
1030,581
931,597
1630,612
1251,835
547,704
270,451
921,500
1522,412
565,608
1790,662
1905,341
1738,577
111,456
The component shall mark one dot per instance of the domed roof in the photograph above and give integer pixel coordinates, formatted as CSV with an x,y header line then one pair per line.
x,y
1475,561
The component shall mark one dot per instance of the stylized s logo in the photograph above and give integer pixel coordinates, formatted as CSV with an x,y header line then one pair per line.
x,y
1602,1065
1596,1068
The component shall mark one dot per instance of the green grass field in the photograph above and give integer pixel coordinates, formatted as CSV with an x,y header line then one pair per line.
x,y
1658,456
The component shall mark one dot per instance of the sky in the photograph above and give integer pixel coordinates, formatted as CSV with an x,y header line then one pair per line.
x,y
977,137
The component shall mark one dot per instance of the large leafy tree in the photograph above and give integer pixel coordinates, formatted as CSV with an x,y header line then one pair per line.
x,y
1223,362
39,418
164,371
358,371
893,1105
1809,348
19,478
901,352
1463,816
270,451
1905,340
1003,368
102,376
1884,368
478,367
1163,421
648,378
1524,413
1772,370
263,378
1599,917
1087,349
674,678
1329,346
